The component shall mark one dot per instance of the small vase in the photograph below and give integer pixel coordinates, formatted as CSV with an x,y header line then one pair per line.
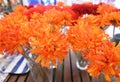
x,y
37,72
81,63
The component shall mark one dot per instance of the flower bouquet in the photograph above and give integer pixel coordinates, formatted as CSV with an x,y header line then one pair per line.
x,y
49,32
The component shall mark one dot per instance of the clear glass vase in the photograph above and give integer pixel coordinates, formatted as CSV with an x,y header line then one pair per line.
x,y
101,78
81,63
37,71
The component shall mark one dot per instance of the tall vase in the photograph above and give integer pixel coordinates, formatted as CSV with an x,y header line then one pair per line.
x,y
37,72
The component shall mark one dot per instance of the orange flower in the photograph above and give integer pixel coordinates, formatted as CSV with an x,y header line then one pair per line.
x,y
47,46
36,16
20,9
10,42
50,47
10,38
48,43
94,20
118,79
57,17
111,18
105,8
83,35
104,59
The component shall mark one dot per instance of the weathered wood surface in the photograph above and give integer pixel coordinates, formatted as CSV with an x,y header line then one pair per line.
x,y
66,72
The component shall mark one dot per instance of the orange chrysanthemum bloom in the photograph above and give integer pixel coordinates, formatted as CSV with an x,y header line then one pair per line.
x,y
20,9
16,19
112,18
57,17
106,58
26,30
93,20
105,8
11,41
50,47
118,79
75,38
82,35
36,16
1,50
48,43
10,37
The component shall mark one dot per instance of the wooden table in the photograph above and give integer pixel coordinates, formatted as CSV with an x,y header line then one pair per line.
x,y
66,72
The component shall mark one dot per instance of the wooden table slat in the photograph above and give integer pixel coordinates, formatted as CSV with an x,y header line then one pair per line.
x,y
95,80
13,78
85,77
29,78
58,73
22,78
75,71
7,78
67,70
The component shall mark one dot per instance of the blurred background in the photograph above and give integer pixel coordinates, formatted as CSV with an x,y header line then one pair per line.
x,y
8,5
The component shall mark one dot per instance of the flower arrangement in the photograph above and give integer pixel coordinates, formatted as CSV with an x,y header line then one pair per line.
x,y
39,29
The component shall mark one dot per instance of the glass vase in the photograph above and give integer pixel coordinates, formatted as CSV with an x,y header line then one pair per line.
x,y
37,72
101,78
81,63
